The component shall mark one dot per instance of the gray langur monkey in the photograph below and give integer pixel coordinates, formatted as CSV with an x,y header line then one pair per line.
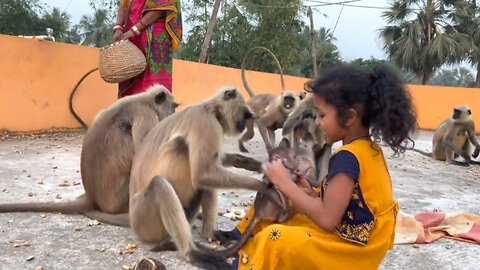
x,y
302,120
177,169
270,205
271,110
107,155
452,138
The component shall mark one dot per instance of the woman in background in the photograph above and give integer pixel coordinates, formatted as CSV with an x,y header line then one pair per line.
x,y
155,27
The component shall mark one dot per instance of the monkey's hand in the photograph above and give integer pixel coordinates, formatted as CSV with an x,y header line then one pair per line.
x,y
306,187
225,237
476,152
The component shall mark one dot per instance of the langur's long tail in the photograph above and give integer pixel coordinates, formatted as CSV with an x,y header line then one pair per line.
x,y
428,154
244,63
77,206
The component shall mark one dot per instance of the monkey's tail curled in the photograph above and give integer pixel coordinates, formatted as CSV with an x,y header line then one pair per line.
x,y
70,101
244,63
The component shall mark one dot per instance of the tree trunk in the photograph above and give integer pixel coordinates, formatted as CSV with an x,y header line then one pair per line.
x,y
313,41
209,33
477,78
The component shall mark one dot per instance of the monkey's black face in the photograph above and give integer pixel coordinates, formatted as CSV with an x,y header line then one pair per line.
x,y
241,123
288,102
456,114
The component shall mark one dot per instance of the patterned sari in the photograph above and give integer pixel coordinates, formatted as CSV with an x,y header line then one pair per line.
x,y
157,42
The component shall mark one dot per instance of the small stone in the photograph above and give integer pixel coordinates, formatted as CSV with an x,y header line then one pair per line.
x,y
416,246
39,268
43,215
30,194
77,228
40,182
30,258
93,222
58,196
64,183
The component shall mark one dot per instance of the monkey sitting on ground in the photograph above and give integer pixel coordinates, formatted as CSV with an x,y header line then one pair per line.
x,y
271,111
452,138
177,168
106,157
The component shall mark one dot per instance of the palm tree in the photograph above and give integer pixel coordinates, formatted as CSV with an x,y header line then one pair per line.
x,y
57,20
468,22
327,52
419,37
95,30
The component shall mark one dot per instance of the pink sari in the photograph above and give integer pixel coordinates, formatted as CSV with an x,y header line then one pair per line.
x,y
157,42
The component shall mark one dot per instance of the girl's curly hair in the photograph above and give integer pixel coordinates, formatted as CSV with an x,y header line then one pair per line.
x,y
386,105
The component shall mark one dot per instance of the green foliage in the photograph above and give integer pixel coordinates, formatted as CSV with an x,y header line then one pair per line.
x,y
453,77
96,30
327,52
419,38
19,17
59,22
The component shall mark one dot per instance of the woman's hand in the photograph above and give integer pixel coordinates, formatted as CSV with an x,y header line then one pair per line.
x,y
278,174
127,35
117,36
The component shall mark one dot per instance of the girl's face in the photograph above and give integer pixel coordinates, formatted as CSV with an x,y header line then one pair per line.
x,y
327,120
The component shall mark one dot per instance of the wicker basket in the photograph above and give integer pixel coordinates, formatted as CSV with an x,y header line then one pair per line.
x,y
121,61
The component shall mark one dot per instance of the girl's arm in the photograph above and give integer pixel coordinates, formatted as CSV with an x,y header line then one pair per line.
x,y
328,212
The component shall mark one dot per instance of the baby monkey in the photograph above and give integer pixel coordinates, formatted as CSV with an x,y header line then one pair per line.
x,y
270,205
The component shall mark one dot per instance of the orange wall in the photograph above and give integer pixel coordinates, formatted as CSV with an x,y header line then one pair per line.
x,y
38,76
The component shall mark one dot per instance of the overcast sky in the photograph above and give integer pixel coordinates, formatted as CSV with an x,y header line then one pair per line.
x,y
356,31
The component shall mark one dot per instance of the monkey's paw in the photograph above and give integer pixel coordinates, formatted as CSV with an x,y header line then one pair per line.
x,y
476,152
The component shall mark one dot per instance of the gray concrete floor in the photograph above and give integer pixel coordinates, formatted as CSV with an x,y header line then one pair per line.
x,y
33,168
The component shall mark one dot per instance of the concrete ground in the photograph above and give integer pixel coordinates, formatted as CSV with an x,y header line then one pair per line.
x,y
46,168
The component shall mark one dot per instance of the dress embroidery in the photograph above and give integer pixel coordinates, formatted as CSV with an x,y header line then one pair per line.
x,y
357,222
275,234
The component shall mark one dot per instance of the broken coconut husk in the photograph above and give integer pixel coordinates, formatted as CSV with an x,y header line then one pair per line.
x,y
149,264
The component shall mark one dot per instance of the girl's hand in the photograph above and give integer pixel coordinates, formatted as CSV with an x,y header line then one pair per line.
x,y
127,35
117,36
277,173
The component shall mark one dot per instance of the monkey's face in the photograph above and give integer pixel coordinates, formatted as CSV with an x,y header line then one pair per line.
x,y
461,113
289,101
235,112
165,104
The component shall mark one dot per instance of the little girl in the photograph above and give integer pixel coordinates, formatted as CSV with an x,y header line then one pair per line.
x,y
350,223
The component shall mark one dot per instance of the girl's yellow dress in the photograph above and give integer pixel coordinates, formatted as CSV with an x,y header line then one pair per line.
x,y
360,242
